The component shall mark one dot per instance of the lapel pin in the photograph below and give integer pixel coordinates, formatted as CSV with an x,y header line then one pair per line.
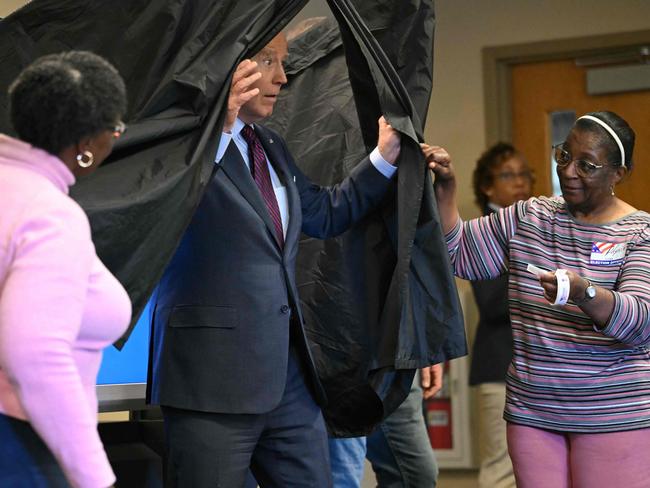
x,y
294,179
270,141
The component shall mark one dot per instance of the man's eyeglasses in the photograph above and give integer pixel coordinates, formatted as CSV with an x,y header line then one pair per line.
x,y
510,176
584,167
118,129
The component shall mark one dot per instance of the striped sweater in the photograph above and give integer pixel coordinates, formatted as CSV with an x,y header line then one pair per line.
x,y
566,374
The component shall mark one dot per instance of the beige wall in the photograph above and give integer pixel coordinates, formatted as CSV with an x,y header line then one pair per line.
x,y
464,27
8,6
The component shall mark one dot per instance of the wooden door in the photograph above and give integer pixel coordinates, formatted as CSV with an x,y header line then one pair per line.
x,y
541,88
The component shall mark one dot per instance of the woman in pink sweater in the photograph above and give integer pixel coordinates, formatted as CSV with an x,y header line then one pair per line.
x,y
59,305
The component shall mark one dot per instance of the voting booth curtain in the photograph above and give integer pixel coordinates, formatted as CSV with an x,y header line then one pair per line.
x,y
380,300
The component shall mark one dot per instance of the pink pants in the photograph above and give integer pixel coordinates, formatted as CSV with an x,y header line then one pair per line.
x,y
546,459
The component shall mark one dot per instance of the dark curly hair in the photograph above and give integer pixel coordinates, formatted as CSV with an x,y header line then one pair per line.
x,y
484,171
622,130
61,98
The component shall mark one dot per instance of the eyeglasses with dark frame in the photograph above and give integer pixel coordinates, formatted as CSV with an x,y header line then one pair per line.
x,y
118,129
584,167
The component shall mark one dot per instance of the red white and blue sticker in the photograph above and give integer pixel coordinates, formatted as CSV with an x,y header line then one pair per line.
x,y
607,253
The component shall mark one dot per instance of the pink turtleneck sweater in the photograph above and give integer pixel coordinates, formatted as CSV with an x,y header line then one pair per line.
x,y
59,307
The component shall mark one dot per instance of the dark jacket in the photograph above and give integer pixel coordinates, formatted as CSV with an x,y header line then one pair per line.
x,y
220,336
492,351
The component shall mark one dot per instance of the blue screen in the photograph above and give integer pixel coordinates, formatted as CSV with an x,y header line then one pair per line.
x,y
130,364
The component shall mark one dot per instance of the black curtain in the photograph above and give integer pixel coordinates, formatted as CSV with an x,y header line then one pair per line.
x,y
177,59
380,300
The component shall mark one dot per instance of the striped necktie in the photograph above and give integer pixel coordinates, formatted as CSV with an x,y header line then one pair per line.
x,y
262,177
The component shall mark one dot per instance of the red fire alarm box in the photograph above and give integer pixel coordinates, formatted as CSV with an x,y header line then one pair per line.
x,y
438,414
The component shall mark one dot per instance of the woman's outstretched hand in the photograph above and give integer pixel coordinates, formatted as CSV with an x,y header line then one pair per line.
x,y
439,162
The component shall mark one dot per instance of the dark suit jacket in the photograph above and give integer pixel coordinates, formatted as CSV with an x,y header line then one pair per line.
x,y
492,351
220,330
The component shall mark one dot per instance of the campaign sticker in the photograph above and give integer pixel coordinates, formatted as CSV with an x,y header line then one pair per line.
x,y
607,253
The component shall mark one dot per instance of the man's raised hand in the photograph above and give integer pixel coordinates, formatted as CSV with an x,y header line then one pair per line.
x,y
389,143
240,90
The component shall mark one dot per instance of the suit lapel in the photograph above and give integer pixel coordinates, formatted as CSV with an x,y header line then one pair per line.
x,y
275,154
236,170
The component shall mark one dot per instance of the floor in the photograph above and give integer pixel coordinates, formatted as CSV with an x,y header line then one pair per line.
x,y
455,478
458,479
448,478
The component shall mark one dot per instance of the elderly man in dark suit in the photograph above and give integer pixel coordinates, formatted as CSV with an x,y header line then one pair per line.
x,y
230,364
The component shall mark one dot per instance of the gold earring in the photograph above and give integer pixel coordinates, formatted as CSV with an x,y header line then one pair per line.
x,y
612,190
85,159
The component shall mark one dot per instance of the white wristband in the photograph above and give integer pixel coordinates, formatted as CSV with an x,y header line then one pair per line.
x,y
563,287
531,268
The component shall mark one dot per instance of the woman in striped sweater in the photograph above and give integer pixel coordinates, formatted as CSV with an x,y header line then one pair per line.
x,y
578,387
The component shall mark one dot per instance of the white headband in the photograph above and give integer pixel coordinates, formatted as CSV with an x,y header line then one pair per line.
x,y
611,132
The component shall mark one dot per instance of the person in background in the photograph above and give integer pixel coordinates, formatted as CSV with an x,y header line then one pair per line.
x,y
577,390
500,179
59,305
399,449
